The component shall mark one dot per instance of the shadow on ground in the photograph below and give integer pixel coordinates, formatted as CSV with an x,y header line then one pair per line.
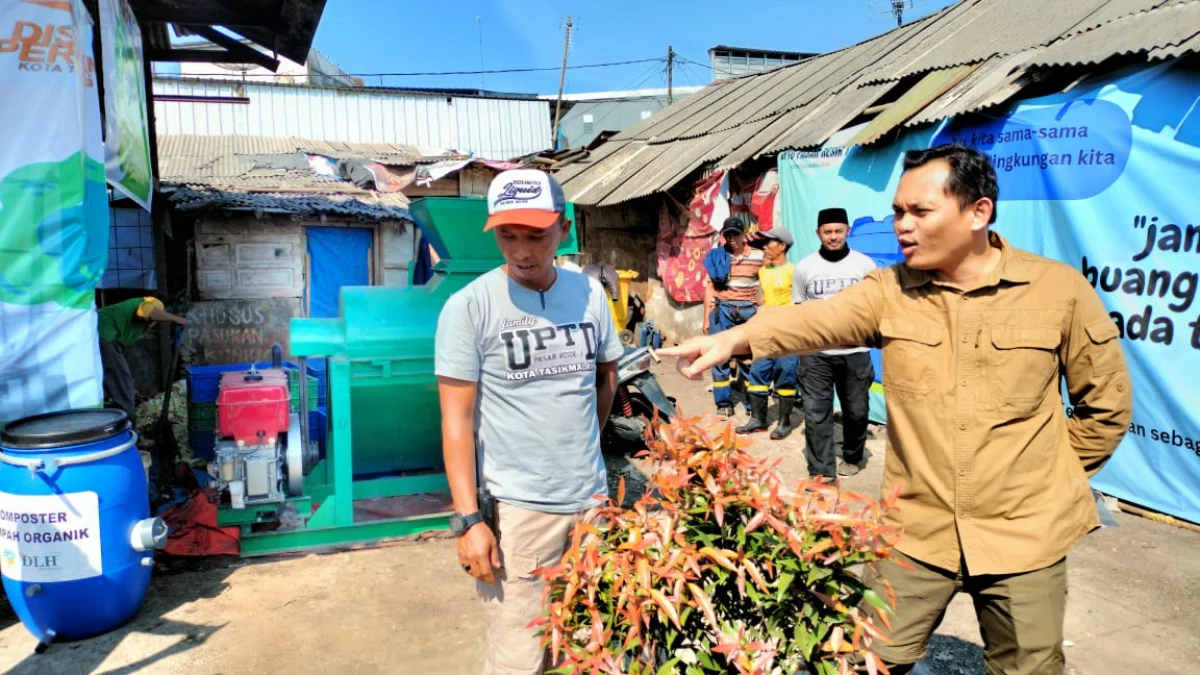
x,y
176,583
951,656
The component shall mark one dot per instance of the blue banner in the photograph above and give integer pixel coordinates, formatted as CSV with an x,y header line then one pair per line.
x,y
1103,178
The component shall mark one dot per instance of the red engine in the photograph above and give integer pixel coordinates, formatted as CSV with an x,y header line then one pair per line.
x,y
252,407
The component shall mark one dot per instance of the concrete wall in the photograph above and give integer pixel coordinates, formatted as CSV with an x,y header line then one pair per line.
x,y
676,321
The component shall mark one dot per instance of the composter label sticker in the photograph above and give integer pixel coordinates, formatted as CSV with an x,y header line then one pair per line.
x,y
50,537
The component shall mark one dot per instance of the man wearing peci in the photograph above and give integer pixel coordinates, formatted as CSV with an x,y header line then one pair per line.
x,y
820,275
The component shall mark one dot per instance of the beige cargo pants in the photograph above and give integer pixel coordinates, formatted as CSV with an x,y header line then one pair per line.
x,y
528,540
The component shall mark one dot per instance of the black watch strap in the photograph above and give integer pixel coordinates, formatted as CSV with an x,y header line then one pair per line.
x,y
460,523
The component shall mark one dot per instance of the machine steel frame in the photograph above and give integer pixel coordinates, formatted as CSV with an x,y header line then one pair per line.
x,y
326,509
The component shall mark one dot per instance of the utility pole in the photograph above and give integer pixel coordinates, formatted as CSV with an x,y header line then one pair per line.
x,y
670,74
479,21
562,80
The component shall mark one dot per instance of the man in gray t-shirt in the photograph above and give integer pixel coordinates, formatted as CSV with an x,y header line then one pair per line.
x,y
818,276
526,359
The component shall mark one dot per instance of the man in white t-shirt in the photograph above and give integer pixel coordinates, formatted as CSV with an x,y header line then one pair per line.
x,y
850,371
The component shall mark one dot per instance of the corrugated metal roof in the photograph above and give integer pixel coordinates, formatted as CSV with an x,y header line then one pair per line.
x,y
660,164
929,89
1115,9
1168,27
595,179
191,197
488,128
978,30
1187,47
993,82
971,55
841,110
271,174
290,33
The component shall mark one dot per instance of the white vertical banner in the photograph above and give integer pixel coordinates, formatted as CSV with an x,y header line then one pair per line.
x,y
53,209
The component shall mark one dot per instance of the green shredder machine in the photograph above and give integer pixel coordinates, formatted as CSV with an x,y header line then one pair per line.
x,y
383,434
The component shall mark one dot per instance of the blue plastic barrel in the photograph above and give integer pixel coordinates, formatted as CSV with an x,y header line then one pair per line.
x,y
76,538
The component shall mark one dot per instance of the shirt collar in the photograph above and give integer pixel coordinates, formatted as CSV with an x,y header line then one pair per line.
x,y
1012,268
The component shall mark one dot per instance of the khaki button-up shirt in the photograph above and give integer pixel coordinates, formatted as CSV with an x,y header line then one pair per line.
x,y
991,471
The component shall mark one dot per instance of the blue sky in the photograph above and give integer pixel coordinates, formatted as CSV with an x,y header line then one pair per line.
x,y
374,36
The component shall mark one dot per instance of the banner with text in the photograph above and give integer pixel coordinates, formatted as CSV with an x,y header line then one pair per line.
x,y
53,209
126,128
1102,178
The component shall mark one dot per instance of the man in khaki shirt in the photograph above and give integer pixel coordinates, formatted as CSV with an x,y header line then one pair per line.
x,y
993,476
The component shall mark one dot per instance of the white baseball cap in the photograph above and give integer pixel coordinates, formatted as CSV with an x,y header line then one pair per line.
x,y
526,197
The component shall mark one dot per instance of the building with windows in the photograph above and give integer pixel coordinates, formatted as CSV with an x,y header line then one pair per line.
x,y
729,62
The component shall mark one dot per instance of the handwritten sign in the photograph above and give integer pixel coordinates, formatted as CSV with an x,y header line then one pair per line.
x,y
239,331
50,537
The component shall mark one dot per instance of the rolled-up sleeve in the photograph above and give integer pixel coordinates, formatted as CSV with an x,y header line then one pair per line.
x,y
1098,381
848,319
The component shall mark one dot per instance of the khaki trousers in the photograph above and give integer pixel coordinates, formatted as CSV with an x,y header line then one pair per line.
x,y
1020,615
528,540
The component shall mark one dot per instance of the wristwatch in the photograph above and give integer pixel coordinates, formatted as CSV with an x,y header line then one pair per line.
x,y
459,524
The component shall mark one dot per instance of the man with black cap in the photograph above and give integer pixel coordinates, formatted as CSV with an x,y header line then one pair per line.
x,y
775,278
731,297
821,275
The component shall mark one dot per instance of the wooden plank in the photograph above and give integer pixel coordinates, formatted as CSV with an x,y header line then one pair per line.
x,y
263,265
443,187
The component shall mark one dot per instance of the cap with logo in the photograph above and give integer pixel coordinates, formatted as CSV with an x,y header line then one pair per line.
x,y
524,197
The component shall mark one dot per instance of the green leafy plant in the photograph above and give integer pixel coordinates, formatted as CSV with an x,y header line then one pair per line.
x,y
719,568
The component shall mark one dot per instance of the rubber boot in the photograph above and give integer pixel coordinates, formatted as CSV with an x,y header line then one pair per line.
x,y
784,428
758,415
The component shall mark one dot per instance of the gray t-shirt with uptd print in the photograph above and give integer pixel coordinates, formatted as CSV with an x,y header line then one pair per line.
x,y
534,356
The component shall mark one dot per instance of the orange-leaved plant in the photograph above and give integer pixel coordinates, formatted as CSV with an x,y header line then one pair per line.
x,y
718,568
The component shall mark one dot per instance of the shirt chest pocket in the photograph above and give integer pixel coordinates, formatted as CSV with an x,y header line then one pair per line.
x,y
1022,365
911,356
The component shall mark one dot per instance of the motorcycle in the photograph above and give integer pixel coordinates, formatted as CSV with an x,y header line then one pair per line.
x,y
638,400
638,394
639,397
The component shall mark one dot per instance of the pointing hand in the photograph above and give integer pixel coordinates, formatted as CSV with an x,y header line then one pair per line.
x,y
699,354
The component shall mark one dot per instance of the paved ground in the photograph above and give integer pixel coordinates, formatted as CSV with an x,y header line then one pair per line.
x,y
407,608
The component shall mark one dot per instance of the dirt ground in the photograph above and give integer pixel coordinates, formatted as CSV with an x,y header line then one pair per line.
x,y
407,608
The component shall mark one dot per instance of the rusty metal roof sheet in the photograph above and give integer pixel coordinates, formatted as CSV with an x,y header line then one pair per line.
x,y
929,89
994,82
826,121
272,174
